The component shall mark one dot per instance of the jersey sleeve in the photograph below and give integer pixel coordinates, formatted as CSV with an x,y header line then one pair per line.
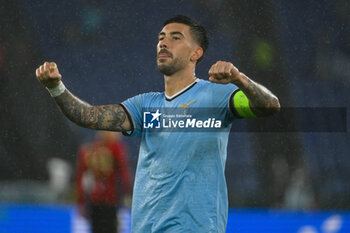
x,y
222,97
133,107
239,105
230,97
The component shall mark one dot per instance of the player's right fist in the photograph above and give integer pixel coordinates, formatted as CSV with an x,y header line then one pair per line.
x,y
48,75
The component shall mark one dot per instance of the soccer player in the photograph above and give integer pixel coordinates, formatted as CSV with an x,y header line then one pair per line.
x,y
179,184
104,163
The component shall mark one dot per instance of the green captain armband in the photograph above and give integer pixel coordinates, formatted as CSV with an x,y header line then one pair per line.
x,y
241,105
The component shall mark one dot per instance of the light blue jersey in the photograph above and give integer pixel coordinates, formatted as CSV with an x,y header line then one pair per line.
x,y
180,183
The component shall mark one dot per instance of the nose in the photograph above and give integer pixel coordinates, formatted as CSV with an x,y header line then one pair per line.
x,y
163,44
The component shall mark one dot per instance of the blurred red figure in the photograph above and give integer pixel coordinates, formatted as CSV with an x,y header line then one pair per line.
x,y
103,181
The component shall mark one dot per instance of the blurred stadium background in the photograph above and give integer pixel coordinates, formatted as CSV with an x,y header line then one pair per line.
x,y
277,181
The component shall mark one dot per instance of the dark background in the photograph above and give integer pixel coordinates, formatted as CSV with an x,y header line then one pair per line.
x,y
105,51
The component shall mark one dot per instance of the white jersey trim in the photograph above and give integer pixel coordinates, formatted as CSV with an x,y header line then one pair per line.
x,y
181,91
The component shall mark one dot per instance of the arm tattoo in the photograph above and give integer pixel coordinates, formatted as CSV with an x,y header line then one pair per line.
x,y
104,117
261,100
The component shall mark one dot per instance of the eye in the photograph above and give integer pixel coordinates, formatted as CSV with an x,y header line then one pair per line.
x,y
160,38
176,38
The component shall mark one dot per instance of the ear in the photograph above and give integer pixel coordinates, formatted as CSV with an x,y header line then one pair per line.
x,y
196,54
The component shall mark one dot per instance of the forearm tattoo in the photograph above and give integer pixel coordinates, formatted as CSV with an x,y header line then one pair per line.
x,y
262,101
104,117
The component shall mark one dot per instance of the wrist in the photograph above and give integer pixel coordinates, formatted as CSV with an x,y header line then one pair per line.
x,y
56,91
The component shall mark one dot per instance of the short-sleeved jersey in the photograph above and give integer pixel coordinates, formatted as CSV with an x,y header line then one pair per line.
x,y
180,184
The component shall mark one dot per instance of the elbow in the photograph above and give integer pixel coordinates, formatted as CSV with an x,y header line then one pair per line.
x,y
276,106
270,108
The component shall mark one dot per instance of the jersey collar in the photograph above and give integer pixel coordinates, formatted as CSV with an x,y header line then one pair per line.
x,y
170,98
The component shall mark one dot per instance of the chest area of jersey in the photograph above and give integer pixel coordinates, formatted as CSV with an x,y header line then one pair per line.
x,y
188,112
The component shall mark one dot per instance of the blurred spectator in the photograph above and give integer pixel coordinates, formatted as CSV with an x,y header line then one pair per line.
x,y
103,181
60,172
299,194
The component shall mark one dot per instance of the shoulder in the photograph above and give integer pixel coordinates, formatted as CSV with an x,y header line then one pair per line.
x,y
152,95
85,148
149,95
216,86
143,98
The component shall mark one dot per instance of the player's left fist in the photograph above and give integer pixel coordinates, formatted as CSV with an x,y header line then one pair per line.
x,y
224,72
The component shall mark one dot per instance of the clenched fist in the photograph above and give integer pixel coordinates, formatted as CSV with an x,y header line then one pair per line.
x,y
48,75
224,72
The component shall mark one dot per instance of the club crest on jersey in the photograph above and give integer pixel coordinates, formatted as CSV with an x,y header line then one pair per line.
x,y
186,106
151,120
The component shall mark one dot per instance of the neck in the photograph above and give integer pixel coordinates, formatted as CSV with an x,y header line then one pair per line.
x,y
178,81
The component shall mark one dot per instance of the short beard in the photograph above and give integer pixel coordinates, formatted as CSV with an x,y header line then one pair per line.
x,y
171,68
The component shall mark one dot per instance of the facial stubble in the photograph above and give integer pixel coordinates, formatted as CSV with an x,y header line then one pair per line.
x,y
169,69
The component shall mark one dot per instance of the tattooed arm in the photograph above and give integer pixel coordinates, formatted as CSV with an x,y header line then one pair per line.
x,y
104,117
262,102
